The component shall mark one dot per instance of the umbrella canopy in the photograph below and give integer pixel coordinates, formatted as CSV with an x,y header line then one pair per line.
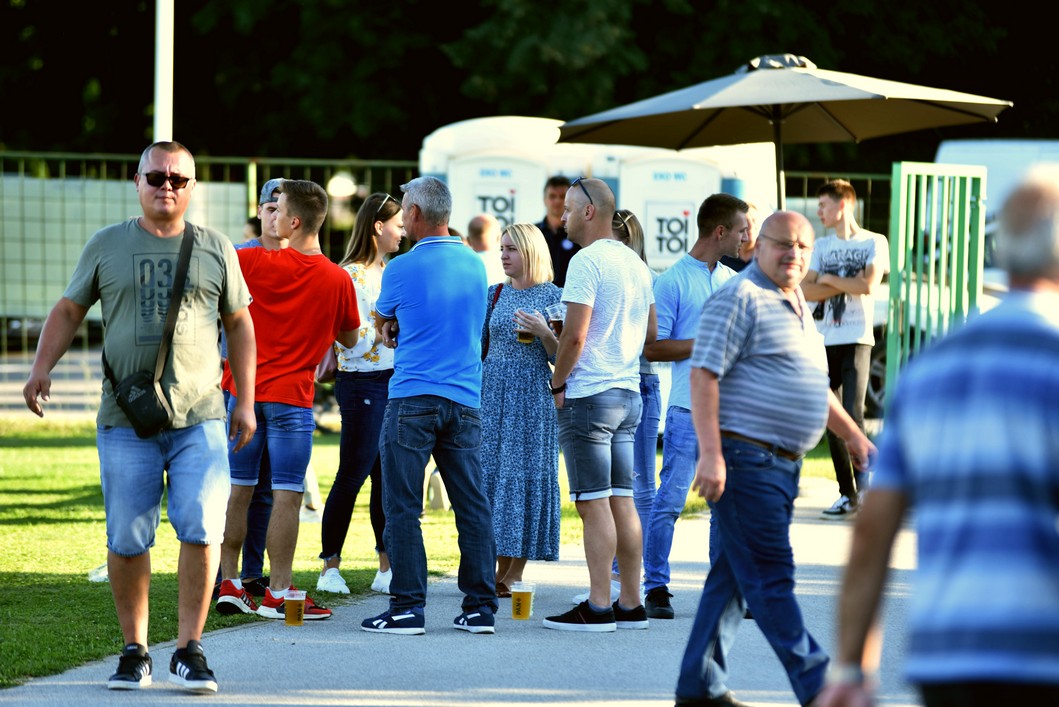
x,y
781,99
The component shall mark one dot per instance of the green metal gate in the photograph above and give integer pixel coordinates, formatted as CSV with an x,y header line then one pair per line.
x,y
937,235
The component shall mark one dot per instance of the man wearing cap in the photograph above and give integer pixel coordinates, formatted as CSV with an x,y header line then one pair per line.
x,y
252,580
302,303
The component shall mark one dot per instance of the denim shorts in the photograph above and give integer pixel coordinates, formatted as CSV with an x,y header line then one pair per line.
x,y
597,434
133,474
287,432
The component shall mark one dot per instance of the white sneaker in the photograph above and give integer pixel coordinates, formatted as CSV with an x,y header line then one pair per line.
x,y
381,583
615,592
331,581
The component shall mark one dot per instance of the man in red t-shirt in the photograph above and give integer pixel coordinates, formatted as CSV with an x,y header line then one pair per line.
x,y
302,302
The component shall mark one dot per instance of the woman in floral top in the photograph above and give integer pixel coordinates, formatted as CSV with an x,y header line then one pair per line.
x,y
361,384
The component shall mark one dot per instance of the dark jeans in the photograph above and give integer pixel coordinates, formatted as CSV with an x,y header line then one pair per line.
x,y
752,564
362,404
988,694
414,429
847,369
258,514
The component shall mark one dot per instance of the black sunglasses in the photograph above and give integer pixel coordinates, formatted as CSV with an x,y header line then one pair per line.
x,y
383,203
157,179
578,182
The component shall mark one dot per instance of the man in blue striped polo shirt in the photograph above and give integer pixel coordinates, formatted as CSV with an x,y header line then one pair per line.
x,y
972,437
759,401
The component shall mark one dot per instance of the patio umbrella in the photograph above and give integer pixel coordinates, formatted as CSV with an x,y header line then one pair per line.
x,y
781,99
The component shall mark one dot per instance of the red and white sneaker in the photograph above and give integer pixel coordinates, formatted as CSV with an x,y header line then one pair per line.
x,y
233,601
273,608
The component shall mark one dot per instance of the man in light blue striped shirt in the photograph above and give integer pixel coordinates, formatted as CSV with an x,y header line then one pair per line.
x,y
972,438
759,401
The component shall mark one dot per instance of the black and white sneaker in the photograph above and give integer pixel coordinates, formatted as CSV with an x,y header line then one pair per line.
x,y
582,618
844,507
134,669
630,618
188,669
480,621
410,622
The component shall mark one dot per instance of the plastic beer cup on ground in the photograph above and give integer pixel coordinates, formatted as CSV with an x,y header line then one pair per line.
x,y
294,608
521,600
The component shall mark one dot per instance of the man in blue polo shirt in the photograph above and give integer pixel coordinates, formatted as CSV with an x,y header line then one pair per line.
x,y
433,302
680,294
759,401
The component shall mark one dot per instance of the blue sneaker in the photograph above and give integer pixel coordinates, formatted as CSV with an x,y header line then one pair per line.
x,y
480,621
407,623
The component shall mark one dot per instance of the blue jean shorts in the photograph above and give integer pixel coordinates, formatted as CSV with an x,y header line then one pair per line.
x,y
287,432
133,473
598,434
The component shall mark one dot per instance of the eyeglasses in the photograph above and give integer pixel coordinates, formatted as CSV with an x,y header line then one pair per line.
x,y
157,179
383,203
789,245
579,183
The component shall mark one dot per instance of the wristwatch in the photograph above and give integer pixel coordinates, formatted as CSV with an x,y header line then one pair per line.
x,y
556,391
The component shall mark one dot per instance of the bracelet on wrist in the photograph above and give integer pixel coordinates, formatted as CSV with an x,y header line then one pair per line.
x,y
845,674
560,389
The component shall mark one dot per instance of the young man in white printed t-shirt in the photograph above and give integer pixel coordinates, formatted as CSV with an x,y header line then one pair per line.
x,y
596,383
844,276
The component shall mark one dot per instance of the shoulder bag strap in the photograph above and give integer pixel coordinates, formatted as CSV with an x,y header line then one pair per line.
x,y
488,316
174,301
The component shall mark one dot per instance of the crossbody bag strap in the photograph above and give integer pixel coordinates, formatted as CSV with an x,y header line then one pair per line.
x,y
174,301
488,316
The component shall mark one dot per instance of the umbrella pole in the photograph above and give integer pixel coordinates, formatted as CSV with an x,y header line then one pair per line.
x,y
777,140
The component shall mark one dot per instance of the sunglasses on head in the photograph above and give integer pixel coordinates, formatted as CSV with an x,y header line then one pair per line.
x,y
383,203
157,179
579,183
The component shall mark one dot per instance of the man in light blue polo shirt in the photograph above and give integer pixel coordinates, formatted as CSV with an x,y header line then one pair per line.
x,y
759,401
432,303
680,294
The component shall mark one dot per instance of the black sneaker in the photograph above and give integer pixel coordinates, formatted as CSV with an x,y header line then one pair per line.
x,y
480,621
188,669
657,603
134,669
630,618
582,618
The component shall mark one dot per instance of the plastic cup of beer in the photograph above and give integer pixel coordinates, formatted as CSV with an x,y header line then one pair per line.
x,y
521,600
524,337
294,608
556,314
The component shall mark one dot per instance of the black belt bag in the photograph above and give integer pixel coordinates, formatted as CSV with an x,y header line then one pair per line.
x,y
140,395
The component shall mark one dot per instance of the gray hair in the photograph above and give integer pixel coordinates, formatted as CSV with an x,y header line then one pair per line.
x,y
1028,238
432,197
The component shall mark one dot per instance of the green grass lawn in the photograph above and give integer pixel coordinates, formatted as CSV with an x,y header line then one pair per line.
x,y
51,515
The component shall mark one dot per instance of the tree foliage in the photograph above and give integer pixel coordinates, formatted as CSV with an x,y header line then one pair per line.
x,y
333,78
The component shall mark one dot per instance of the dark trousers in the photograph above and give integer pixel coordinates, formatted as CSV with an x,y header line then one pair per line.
x,y
847,370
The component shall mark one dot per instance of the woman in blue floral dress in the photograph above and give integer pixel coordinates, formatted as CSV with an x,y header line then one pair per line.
x,y
520,447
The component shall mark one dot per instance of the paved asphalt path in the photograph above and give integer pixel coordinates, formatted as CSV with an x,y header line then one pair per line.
x,y
333,662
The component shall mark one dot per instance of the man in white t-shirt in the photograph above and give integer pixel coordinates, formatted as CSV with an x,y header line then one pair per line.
x,y
843,278
596,383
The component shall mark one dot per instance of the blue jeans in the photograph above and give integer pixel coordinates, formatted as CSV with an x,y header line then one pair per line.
x,y
286,431
753,566
645,450
362,403
680,451
134,472
413,429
